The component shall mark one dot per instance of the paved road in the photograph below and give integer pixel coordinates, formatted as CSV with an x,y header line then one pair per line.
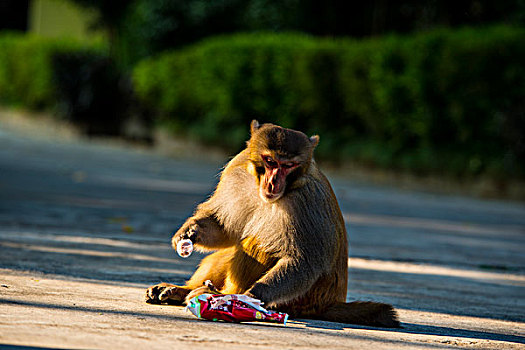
x,y
85,228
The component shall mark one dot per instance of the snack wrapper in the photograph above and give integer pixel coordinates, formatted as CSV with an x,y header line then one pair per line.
x,y
233,308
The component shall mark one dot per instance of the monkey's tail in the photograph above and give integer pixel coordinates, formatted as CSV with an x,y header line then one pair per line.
x,y
365,313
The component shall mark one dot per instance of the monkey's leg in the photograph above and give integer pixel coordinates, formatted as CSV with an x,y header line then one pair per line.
x,y
213,267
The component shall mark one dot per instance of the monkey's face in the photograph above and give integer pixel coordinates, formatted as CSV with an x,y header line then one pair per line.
x,y
273,180
278,158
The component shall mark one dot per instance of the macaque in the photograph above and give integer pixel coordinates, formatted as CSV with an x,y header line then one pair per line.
x,y
277,234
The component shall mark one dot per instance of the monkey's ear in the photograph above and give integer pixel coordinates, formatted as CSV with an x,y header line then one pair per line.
x,y
254,126
314,140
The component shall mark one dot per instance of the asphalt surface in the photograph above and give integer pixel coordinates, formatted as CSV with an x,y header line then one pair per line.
x,y
85,229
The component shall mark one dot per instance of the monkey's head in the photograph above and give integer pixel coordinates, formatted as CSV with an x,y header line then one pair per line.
x,y
278,158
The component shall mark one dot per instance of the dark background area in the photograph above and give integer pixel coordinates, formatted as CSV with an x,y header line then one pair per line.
x,y
424,87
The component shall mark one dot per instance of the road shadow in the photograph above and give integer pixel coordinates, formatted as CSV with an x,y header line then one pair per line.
x,y
127,261
414,328
21,347
93,310
310,325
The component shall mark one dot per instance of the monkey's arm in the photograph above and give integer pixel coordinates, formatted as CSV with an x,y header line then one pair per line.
x,y
204,231
205,228
288,279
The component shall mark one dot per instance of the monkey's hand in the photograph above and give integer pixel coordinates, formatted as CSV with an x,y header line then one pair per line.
x,y
274,289
187,231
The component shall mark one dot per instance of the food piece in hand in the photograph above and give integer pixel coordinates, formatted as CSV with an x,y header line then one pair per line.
x,y
185,248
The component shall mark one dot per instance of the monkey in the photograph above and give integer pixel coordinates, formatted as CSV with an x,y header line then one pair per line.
x,y
276,233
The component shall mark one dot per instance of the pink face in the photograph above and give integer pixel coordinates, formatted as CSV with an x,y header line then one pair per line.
x,y
273,182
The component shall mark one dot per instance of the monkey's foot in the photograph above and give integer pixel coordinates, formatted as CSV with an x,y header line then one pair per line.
x,y
165,293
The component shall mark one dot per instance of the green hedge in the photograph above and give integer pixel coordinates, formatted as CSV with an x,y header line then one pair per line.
x,y
443,101
76,80
26,68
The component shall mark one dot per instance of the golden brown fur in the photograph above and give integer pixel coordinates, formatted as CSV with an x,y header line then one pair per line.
x,y
278,235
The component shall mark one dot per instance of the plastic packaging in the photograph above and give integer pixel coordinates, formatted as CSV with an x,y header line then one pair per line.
x,y
233,308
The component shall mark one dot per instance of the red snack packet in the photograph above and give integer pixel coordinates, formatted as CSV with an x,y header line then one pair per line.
x,y
233,308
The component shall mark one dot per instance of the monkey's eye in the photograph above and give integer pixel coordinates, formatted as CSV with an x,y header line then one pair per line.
x,y
270,162
289,165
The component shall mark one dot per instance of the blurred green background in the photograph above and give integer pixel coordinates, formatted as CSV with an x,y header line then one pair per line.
x,y
421,87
